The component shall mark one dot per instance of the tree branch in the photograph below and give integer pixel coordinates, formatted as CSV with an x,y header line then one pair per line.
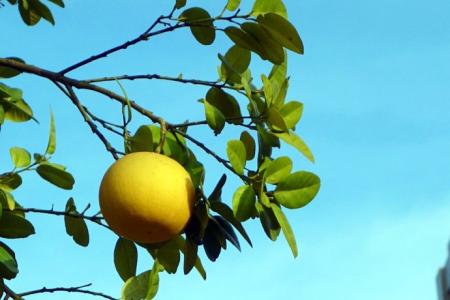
x,y
95,218
75,289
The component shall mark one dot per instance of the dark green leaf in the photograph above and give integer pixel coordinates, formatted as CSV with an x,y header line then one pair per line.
x,y
235,62
42,10
29,15
142,140
56,175
297,190
249,144
75,225
233,4
282,31
227,231
60,3
226,104
189,249
286,228
13,226
276,121
7,200
213,241
20,157
180,4
8,263
244,203
278,170
269,48
217,192
227,213
200,23
237,155
51,145
125,258
268,221
195,170
269,6
291,113
244,40
10,181
6,72
169,256
214,117
2,115
294,140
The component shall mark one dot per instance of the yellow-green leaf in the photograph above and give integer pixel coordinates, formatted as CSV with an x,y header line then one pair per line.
x,y
269,48
237,155
20,157
244,203
276,121
51,145
297,190
269,6
291,113
286,228
214,117
278,169
294,140
8,263
233,4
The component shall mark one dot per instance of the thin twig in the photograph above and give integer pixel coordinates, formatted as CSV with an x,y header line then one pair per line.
x,y
212,153
75,289
95,218
204,122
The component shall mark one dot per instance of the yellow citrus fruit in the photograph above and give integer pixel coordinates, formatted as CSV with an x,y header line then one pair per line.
x,y
146,197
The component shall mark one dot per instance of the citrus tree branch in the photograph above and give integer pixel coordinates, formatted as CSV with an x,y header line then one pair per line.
x,y
204,122
75,289
95,218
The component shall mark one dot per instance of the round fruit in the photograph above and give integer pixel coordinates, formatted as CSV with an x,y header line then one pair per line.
x,y
146,197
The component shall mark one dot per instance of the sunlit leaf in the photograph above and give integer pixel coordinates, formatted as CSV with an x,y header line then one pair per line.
x,y
297,190
8,263
169,256
244,203
291,113
214,117
125,258
141,286
235,62
268,47
226,104
142,140
278,169
276,121
294,140
237,155
20,157
233,4
51,146
286,228
269,6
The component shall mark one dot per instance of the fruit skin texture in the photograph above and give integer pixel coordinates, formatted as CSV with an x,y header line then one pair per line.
x,y
146,197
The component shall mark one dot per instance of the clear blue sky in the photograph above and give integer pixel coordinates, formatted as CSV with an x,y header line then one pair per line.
x,y
374,81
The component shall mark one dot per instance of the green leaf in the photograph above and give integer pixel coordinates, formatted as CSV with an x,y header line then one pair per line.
x,y
234,63
249,144
294,140
42,10
141,286
189,249
6,72
276,120
153,281
244,203
278,170
195,170
269,6
200,23
17,110
269,49
13,226
227,213
20,157
297,190
60,3
142,140
268,92
76,226
217,192
291,113
2,114
7,200
237,155
29,15
214,117
169,256
244,40
55,175
226,104
227,231
8,263
10,181
286,228
232,5
125,258
51,145
268,221
282,31
180,4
